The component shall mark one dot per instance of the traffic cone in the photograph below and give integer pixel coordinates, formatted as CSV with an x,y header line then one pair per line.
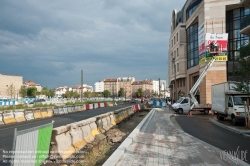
x,y
190,113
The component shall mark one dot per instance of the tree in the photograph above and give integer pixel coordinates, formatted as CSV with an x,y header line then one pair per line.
x,y
23,91
106,93
94,94
11,91
139,92
31,91
45,91
242,76
121,92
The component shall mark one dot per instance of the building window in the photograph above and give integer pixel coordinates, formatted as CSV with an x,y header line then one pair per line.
x,y
235,39
172,43
192,47
177,67
177,52
177,37
192,7
174,40
183,81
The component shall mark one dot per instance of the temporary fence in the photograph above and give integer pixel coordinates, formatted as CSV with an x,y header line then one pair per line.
x,y
35,142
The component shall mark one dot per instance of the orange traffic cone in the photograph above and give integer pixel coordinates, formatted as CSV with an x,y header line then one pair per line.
x,y
190,113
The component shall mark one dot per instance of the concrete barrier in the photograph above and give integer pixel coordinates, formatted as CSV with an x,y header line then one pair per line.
x,y
65,110
102,105
109,120
77,108
91,106
105,123
88,137
61,111
37,114
61,147
8,117
56,110
69,109
44,112
28,114
76,133
112,118
94,129
1,119
19,115
99,124
50,112
73,108
96,105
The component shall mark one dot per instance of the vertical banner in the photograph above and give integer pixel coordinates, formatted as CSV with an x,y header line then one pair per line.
x,y
201,42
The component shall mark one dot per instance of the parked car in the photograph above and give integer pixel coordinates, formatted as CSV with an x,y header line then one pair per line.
x,y
132,101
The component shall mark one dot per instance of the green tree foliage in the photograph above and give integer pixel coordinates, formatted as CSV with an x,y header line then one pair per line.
x,y
71,94
121,92
94,94
86,94
106,93
45,91
23,91
139,92
31,91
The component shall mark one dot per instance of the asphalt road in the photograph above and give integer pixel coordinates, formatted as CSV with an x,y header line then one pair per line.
x,y
215,135
7,131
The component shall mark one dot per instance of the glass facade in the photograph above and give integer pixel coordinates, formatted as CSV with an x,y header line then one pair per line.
x,y
235,39
192,7
192,47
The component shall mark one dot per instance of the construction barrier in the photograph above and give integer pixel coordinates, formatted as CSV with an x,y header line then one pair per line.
x,y
65,110
50,112
102,105
91,106
94,129
1,119
87,107
19,115
99,124
61,147
88,137
96,106
56,111
28,114
78,108
69,109
8,117
44,112
76,134
73,108
61,111
136,107
37,114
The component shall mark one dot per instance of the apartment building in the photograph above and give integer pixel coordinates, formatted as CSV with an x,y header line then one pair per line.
x,y
188,28
31,83
99,86
111,85
126,84
10,85
145,85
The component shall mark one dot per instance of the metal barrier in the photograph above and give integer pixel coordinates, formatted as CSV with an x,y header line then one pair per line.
x,y
34,141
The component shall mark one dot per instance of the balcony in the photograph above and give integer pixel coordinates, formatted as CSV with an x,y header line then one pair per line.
x,y
245,25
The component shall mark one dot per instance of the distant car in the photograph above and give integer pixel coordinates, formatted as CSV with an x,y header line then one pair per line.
x,y
37,101
132,101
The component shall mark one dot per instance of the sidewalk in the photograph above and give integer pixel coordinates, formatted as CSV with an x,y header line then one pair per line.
x,y
159,142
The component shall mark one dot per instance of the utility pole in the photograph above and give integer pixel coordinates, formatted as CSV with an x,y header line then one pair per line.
x,y
159,87
113,90
81,85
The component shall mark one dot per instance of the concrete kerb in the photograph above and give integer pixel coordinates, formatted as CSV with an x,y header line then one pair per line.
x,y
115,157
240,162
229,128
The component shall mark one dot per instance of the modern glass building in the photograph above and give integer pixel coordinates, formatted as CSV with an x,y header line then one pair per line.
x,y
188,26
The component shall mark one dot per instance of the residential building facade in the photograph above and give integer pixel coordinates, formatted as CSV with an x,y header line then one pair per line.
x,y
157,86
126,84
99,86
10,86
188,26
31,83
59,92
111,85
146,86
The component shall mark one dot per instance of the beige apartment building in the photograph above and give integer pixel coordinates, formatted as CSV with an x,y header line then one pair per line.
x,y
193,21
146,86
111,85
10,85
126,83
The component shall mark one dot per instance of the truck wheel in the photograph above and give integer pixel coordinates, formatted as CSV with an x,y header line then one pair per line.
x,y
234,120
180,111
219,117
206,112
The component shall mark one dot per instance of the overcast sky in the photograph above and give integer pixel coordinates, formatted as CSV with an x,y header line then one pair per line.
x,y
50,42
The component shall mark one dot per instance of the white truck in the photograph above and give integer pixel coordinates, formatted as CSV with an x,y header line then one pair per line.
x,y
228,103
187,104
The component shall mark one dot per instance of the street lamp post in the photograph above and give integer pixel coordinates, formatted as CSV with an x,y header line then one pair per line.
x,y
174,94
